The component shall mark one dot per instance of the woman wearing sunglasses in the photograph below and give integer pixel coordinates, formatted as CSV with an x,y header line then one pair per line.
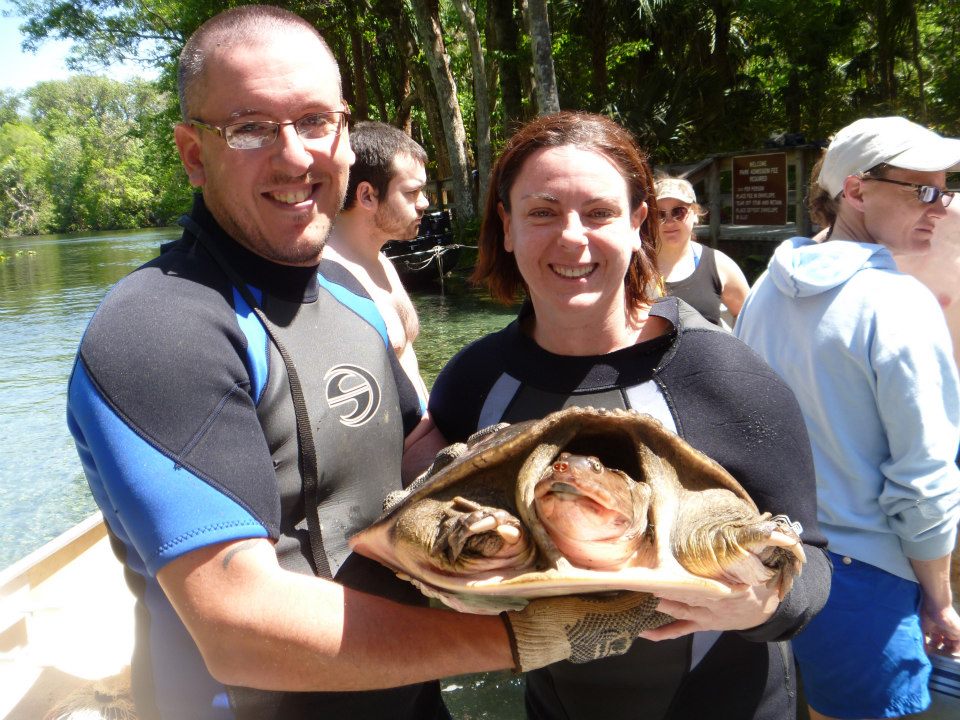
x,y
703,277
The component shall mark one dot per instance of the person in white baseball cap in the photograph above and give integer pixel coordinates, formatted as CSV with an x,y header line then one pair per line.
x,y
894,141
866,350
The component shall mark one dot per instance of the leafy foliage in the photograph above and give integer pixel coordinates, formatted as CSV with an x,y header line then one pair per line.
x,y
83,157
688,78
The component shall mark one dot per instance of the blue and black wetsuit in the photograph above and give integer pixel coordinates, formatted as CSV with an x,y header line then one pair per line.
x,y
720,397
183,419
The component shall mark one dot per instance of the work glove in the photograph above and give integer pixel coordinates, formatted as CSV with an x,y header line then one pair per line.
x,y
579,628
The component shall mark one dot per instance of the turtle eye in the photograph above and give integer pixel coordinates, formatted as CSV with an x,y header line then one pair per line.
x,y
595,465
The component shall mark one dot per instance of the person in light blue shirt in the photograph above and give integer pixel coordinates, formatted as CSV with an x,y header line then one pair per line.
x,y
867,352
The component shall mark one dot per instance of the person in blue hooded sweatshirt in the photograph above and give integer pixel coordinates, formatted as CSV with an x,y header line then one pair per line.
x,y
866,350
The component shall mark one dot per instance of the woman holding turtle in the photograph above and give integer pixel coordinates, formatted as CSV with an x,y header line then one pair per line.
x,y
571,222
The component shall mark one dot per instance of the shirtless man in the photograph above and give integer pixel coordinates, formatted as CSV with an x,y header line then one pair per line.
x,y
385,201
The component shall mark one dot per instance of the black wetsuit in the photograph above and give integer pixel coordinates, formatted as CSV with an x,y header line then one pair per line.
x,y
702,287
182,414
722,399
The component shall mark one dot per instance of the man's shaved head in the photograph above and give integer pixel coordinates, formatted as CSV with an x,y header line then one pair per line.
x,y
248,24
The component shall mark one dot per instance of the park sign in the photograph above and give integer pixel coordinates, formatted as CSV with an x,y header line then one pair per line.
x,y
760,189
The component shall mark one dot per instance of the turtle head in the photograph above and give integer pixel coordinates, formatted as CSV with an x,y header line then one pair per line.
x,y
596,516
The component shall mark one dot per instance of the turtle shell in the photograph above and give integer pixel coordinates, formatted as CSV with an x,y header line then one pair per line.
x,y
689,496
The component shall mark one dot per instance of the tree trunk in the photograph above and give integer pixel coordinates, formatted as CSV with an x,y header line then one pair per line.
x,y
376,87
918,64
361,109
431,42
720,55
539,27
503,41
481,97
346,69
594,17
400,39
422,88
402,117
793,101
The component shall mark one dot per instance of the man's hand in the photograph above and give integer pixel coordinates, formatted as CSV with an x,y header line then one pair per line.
x,y
579,628
941,629
939,620
746,607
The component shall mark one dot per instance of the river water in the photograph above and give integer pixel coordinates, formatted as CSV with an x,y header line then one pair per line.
x,y
49,287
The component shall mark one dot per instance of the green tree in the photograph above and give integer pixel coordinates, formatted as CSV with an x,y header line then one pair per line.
x,y
939,27
688,78
25,207
10,102
96,166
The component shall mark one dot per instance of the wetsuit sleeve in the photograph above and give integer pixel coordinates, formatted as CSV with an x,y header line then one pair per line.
x,y
739,412
160,405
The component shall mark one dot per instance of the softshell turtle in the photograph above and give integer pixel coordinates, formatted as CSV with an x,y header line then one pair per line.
x,y
584,500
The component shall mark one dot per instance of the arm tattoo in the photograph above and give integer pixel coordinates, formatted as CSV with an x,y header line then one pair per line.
x,y
240,547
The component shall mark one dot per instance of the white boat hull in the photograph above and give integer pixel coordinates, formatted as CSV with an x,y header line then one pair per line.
x,y
66,618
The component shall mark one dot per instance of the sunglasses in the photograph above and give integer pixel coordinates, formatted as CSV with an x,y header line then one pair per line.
x,y
927,194
678,213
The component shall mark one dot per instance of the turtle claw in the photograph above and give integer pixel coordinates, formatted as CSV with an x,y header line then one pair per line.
x,y
509,533
786,535
780,550
768,551
471,530
488,522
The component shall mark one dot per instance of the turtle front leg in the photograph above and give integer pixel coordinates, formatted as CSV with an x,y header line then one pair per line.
x,y
775,542
750,550
480,537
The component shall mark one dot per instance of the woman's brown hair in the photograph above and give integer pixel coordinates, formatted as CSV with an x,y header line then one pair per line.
x,y
823,208
497,268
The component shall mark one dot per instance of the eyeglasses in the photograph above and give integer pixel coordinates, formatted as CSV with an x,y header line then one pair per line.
x,y
927,194
255,134
679,213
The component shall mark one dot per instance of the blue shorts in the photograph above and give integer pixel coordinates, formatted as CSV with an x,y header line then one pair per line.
x,y
862,656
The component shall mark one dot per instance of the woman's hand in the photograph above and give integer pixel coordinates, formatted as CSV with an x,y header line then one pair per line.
x,y
747,606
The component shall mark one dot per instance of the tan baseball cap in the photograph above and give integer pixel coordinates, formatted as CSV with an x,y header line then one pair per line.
x,y
676,188
896,141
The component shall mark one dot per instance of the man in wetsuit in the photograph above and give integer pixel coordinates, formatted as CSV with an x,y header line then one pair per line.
x,y
239,416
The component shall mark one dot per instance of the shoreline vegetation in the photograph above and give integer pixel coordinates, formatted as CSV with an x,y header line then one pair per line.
x,y
81,155
688,79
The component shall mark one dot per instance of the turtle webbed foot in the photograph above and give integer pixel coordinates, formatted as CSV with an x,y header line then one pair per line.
x,y
471,531
784,552
766,551
770,552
